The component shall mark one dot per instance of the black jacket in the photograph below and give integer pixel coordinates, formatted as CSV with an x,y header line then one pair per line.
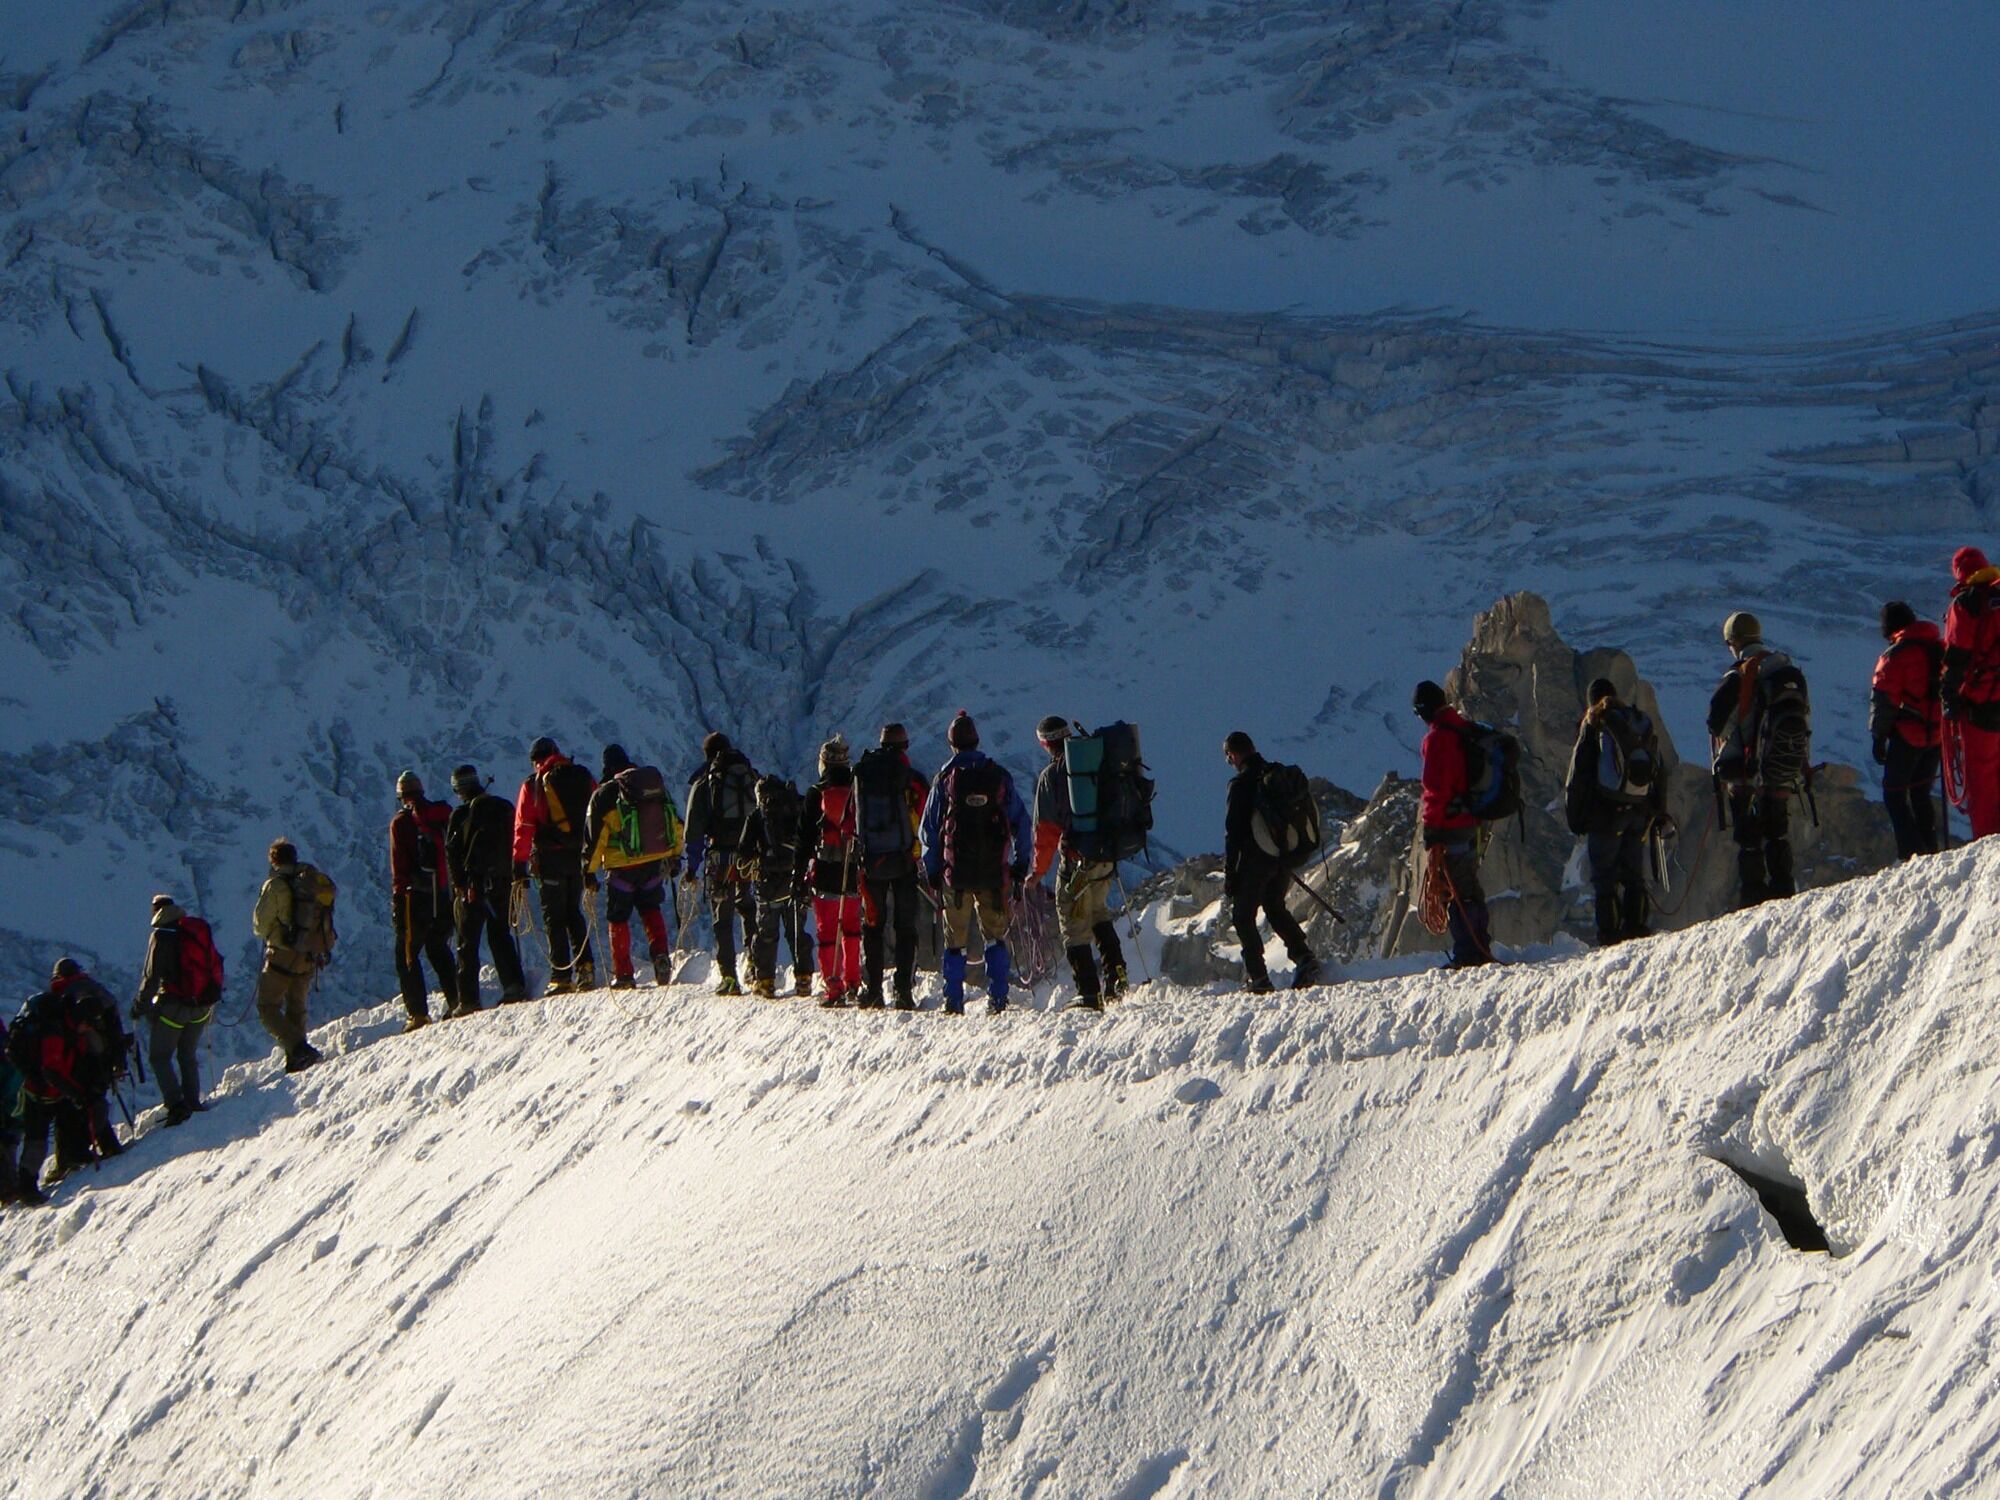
x,y
1240,852
1586,806
479,842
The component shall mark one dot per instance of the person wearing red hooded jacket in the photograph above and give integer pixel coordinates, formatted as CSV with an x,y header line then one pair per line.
x,y
550,827
1451,834
1906,722
1971,684
420,887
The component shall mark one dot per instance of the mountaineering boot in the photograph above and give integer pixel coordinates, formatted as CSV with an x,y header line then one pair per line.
x,y
513,997
558,987
727,985
995,1006
904,999
28,1193
414,1022
1257,985
302,1057
802,981
833,1000
868,1000
663,968
1114,981
1307,973
624,982
586,975
763,987
1112,961
1085,1002
179,1114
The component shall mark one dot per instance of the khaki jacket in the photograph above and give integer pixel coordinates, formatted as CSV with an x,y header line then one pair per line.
x,y
272,921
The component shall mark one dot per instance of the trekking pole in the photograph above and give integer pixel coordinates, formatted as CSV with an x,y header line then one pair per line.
x,y
1131,922
1318,900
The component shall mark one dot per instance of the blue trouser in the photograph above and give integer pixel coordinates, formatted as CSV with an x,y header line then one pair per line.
x,y
954,975
1465,914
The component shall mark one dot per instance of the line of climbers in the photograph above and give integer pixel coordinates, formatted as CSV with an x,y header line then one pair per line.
x,y
872,841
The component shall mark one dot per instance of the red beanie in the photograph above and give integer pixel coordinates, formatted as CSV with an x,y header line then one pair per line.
x,y
1965,562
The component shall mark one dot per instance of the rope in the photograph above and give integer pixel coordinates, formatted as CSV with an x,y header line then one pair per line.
x,y
1694,870
1954,765
1440,895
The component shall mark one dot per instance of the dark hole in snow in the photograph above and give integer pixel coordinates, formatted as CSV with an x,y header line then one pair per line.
x,y
1784,1199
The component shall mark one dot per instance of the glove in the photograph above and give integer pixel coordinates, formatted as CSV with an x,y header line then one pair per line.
x,y
1668,828
520,871
1019,870
1882,751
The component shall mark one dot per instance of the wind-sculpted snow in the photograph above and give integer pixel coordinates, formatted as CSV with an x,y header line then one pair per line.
x,y
1428,1235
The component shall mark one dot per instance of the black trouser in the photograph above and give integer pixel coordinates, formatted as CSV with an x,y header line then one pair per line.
x,y
487,912
423,931
1263,887
1761,822
893,901
37,1117
1909,779
562,918
176,1061
728,899
1465,897
777,913
1618,879
82,1128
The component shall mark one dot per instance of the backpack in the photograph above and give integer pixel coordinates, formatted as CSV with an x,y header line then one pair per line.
x,y
1781,739
1627,756
888,840
44,1043
566,789
197,975
1492,772
648,826
1284,816
732,797
975,826
311,931
1110,794
833,818
782,807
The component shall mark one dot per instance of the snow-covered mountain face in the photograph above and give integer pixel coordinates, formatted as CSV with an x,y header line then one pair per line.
x,y
387,385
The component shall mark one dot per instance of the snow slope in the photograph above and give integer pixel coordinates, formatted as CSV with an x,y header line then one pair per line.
x,y
1433,1235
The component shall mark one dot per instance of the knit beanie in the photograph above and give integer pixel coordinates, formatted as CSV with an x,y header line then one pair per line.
x,y
615,760
895,737
1601,689
714,743
963,734
833,753
542,749
1427,699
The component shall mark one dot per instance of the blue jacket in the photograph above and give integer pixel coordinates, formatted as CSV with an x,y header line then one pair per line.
x,y
1022,833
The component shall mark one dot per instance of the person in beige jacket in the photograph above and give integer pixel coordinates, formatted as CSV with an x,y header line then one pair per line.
x,y
293,953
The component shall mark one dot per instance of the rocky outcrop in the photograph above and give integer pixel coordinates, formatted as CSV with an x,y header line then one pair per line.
x,y
1518,673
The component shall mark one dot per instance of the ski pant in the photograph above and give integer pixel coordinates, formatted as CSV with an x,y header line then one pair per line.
x,y
81,1128
176,1060
780,914
1261,887
281,1002
897,900
730,896
837,920
423,928
647,895
1981,749
1618,880
38,1118
570,960
960,909
1466,917
1761,821
1083,910
1909,780
484,909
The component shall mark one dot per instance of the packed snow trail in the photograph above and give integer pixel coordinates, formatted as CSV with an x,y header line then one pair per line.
x,y
1439,1235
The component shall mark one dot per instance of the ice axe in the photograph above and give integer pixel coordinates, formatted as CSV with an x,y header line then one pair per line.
x,y
1318,900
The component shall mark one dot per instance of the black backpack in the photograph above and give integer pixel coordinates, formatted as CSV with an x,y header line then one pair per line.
x,y
1492,772
888,841
732,796
781,806
1284,816
975,826
566,788
1110,794
1627,756
1781,737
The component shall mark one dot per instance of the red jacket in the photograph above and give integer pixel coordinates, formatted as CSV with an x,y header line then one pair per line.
x,y
534,823
416,847
1444,777
1972,638
1904,701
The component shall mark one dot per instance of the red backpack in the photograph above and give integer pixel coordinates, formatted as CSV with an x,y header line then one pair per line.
x,y
197,976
